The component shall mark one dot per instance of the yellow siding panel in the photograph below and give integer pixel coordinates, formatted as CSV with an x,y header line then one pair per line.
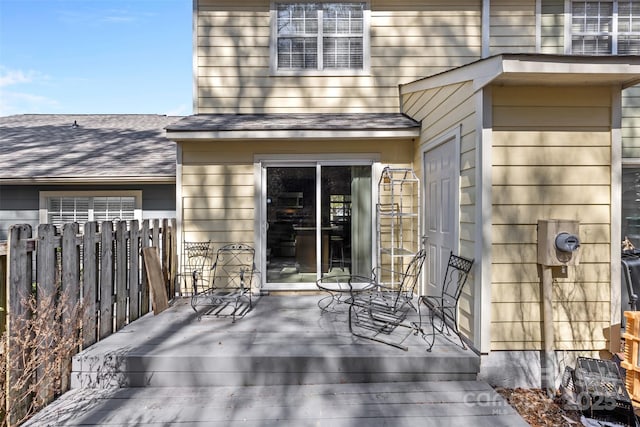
x,y
562,291
551,175
513,117
519,214
551,156
527,233
539,195
527,253
565,311
556,138
543,97
522,273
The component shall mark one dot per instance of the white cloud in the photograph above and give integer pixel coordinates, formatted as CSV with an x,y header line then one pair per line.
x,y
19,102
14,77
25,103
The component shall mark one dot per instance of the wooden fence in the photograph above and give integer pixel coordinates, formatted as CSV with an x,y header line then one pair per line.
x,y
99,270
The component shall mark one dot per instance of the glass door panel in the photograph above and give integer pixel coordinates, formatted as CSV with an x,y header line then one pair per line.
x,y
346,220
291,219
305,241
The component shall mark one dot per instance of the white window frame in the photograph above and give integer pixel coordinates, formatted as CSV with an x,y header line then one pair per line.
x,y
614,33
366,43
46,195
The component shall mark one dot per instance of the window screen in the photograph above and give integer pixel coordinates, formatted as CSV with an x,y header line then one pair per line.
x,y
64,209
320,36
605,27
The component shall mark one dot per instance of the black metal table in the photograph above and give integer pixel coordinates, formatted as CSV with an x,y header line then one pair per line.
x,y
340,287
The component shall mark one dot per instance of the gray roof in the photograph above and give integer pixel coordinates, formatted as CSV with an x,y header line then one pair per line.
x,y
101,147
310,121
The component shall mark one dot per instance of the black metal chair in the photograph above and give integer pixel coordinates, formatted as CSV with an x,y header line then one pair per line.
x,y
229,293
445,306
376,314
195,264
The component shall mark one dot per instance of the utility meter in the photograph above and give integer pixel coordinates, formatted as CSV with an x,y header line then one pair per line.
x,y
558,242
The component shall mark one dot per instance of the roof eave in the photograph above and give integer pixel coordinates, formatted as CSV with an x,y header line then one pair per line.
x,y
162,179
539,69
368,134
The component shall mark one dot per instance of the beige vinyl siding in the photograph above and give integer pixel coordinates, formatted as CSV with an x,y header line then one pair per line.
x,y
551,159
513,26
218,181
409,40
441,110
552,27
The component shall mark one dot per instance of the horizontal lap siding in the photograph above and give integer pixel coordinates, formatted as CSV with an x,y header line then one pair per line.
x,y
513,26
217,181
409,40
551,159
442,110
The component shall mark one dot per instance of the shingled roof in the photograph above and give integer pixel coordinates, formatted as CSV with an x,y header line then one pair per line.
x,y
299,126
108,147
309,121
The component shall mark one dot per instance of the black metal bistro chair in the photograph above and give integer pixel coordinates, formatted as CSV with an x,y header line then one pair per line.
x,y
378,313
445,306
229,292
196,263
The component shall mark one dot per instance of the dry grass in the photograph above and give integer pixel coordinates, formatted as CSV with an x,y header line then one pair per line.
x,y
36,356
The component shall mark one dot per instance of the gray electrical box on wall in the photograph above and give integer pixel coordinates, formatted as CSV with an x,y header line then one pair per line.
x,y
558,242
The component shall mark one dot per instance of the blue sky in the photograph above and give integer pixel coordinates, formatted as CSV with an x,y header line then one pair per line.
x,y
95,56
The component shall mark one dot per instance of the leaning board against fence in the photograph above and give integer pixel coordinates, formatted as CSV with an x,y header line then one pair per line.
x,y
97,274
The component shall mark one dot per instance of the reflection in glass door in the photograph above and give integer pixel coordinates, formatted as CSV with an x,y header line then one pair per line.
x,y
291,219
310,235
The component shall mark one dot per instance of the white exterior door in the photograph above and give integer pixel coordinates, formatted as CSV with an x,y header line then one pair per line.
x,y
441,210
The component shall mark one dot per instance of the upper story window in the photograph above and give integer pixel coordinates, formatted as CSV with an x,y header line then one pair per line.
x,y
320,36
605,27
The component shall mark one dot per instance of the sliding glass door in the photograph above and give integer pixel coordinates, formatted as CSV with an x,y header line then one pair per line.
x,y
318,222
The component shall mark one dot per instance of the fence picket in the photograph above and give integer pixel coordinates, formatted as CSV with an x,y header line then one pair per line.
x,y
134,276
70,293
144,294
19,280
90,284
47,286
106,280
121,274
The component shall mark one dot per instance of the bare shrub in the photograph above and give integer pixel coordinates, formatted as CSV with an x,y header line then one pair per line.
x,y
36,355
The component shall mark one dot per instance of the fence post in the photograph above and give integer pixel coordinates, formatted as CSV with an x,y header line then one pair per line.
x,y
106,280
89,284
174,257
20,280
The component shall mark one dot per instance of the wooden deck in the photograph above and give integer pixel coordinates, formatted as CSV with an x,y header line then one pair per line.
x,y
284,363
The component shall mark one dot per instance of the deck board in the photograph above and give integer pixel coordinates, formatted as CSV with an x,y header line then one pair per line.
x,y
451,403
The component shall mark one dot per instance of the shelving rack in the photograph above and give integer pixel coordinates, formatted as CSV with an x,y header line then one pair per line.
x,y
397,222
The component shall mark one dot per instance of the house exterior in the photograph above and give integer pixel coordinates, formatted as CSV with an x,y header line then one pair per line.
x,y
59,168
509,112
